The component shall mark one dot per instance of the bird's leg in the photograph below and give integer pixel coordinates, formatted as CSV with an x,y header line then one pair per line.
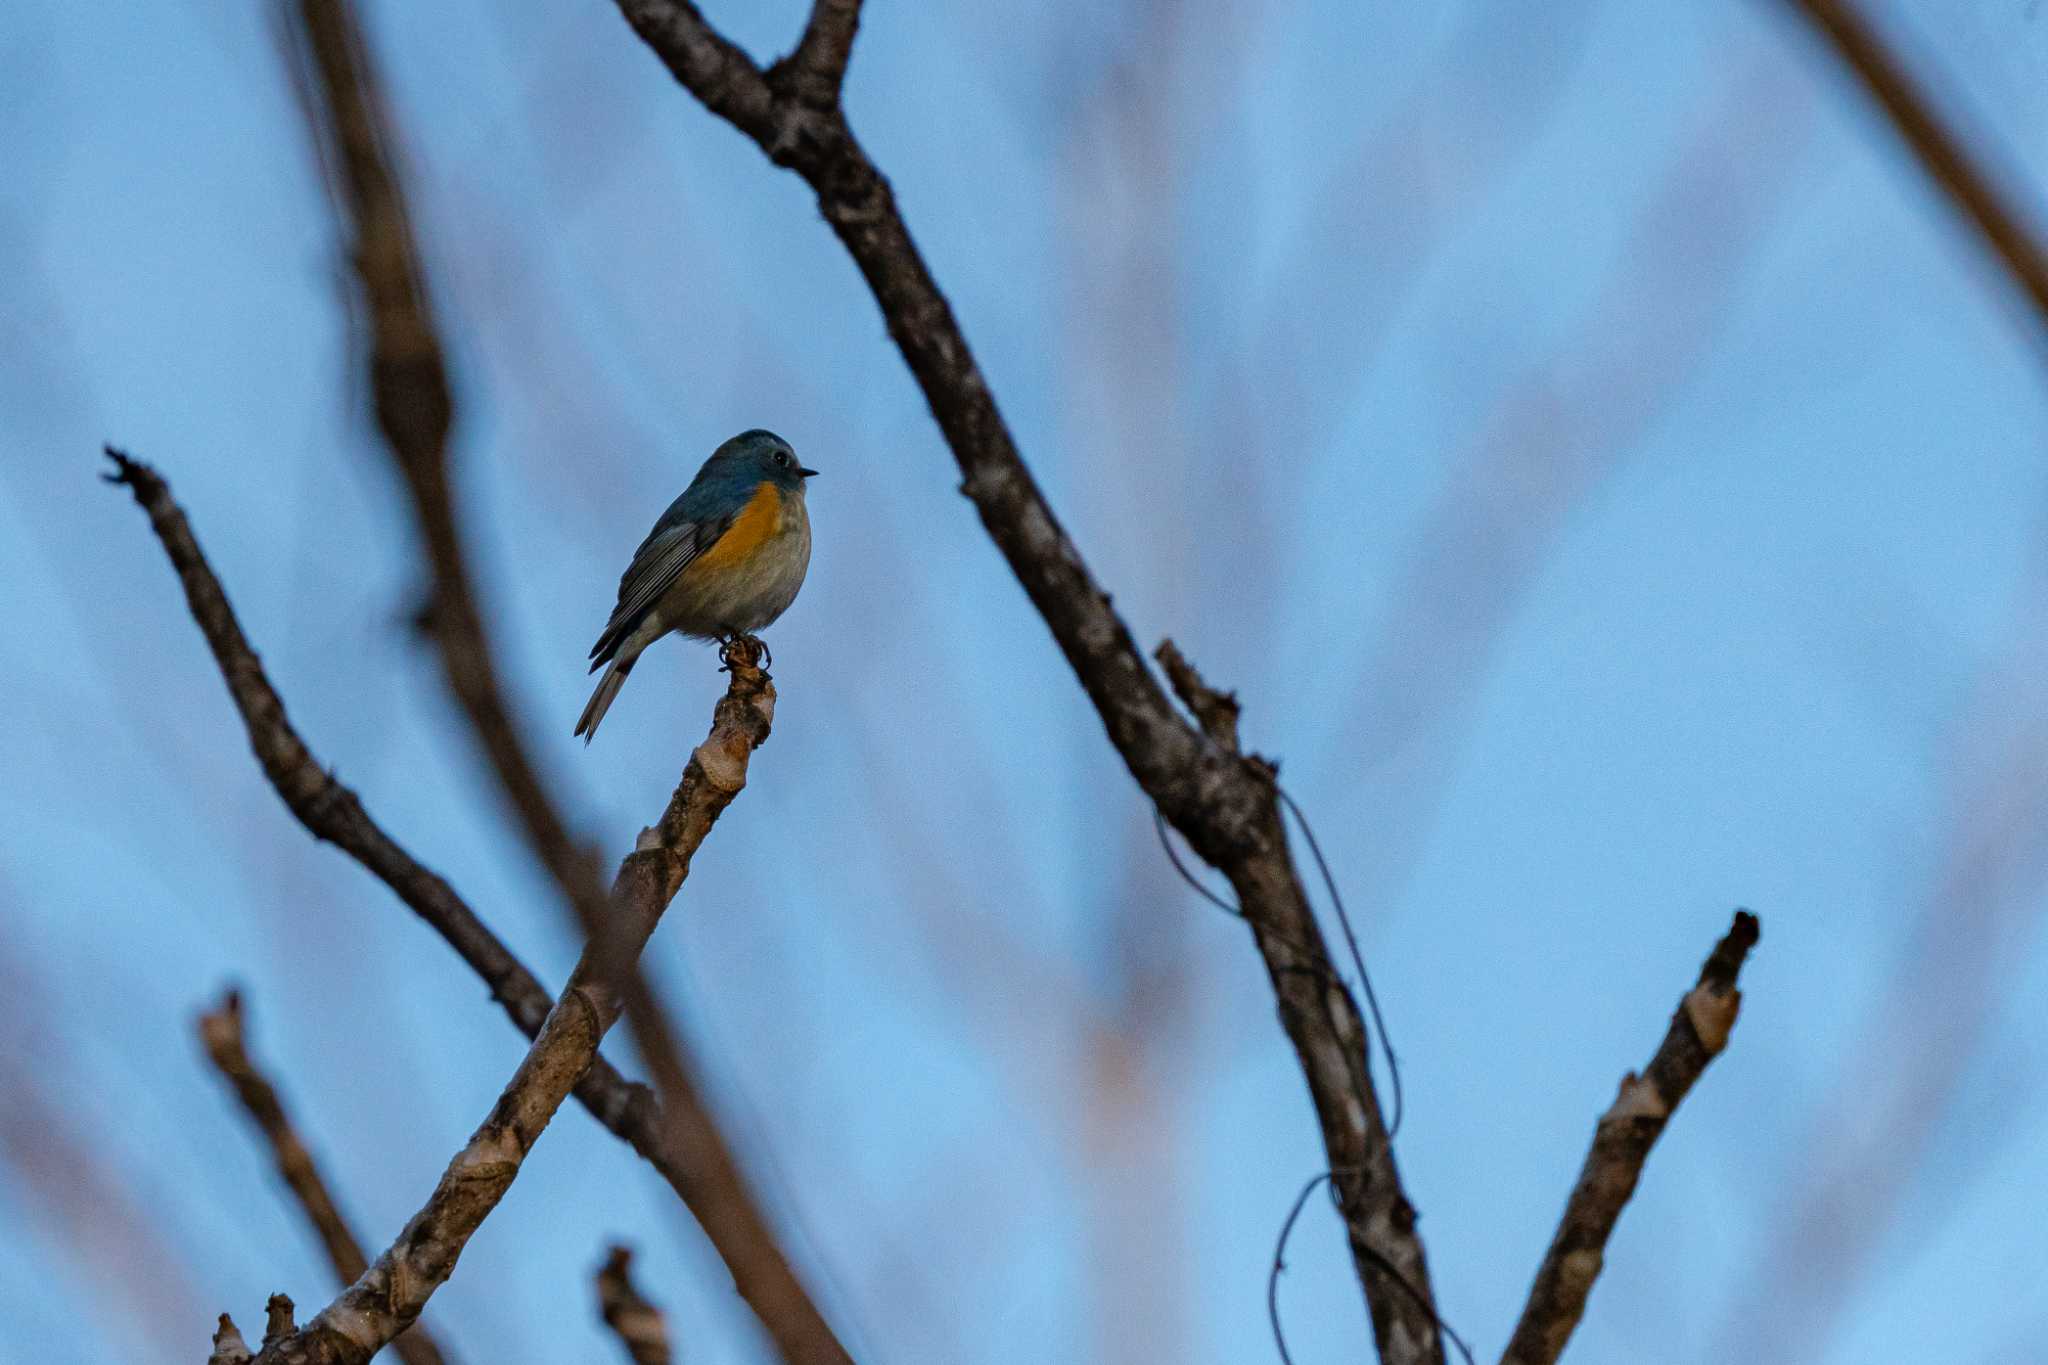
x,y
736,647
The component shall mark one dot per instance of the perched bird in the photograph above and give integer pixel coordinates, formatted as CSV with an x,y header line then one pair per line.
x,y
726,558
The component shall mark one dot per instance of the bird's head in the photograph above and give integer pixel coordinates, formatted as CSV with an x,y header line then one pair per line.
x,y
759,456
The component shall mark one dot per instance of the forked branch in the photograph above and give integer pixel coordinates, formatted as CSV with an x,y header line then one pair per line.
x,y
390,1294
1222,801
682,1142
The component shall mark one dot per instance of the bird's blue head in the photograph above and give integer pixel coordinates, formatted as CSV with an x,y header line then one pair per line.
x,y
758,456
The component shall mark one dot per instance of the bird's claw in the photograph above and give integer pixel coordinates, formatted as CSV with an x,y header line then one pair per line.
x,y
739,648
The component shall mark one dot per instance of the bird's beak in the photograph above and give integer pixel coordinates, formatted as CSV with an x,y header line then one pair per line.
x,y
803,473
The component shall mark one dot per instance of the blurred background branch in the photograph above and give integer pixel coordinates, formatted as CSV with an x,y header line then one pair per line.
x,y
1955,170
639,1325
222,1033
415,411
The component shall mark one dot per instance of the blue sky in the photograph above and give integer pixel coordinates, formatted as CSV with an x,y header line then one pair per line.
x,y
1613,483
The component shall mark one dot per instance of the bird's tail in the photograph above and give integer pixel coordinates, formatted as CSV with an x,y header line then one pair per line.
x,y
601,700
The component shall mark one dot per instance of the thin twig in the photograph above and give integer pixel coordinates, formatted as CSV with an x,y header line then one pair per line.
x,y
816,70
278,1324
1621,1142
1223,802
640,1326
1216,711
387,1297
331,812
414,412
221,1031
229,1348
1940,151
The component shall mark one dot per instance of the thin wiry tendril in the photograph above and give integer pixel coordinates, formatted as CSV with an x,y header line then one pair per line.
x,y
1159,823
1372,1001
1393,1065
1393,1271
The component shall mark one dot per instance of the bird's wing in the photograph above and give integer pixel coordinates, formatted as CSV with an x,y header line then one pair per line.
x,y
675,541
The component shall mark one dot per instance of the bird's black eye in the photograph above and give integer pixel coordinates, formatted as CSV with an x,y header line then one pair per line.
x,y
782,458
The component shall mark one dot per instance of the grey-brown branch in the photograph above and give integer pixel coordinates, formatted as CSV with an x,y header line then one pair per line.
x,y
681,1142
390,1294
332,812
1222,801
1940,152
639,1325
1621,1143
230,1349
222,1033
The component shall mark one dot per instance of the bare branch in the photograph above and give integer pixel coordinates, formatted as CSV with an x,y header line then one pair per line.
x,y
331,812
1217,711
717,1191
1621,1142
389,1296
228,1346
415,412
678,1137
409,378
641,1328
81,1193
1224,803
816,70
1940,151
221,1031
278,1324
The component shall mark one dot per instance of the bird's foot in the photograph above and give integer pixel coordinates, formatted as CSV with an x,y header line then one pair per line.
x,y
737,649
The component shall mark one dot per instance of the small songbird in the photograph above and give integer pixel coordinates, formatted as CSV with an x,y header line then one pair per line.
x,y
726,558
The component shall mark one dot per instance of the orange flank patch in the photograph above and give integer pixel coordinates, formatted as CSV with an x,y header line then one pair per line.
x,y
756,524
